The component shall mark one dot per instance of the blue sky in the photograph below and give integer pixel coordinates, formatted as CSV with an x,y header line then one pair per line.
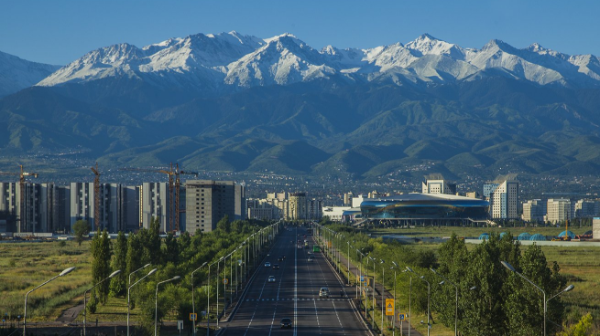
x,y
58,32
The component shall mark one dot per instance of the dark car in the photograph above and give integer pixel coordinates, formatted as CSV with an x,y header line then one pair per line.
x,y
286,323
275,266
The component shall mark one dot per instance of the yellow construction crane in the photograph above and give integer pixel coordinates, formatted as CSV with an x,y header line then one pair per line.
x,y
96,196
173,177
22,212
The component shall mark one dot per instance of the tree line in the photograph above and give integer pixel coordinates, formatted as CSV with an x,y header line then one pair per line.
x,y
492,299
172,256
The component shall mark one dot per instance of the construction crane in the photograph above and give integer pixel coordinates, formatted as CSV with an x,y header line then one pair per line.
x,y
96,195
22,211
173,194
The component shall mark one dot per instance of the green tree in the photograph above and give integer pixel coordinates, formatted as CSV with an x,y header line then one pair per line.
x,y
524,304
101,263
171,249
118,285
223,225
582,328
81,228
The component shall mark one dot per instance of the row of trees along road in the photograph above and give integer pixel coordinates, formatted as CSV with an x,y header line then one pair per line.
x,y
502,302
172,257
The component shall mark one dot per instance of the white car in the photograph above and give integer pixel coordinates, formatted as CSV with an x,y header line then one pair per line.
x,y
271,278
267,264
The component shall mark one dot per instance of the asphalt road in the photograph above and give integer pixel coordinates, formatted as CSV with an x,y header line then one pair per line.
x,y
295,295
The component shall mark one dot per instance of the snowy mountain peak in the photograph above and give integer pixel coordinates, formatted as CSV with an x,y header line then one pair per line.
x,y
235,59
429,45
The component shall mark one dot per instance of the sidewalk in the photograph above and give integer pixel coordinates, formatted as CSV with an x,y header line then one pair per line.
x,y
354,274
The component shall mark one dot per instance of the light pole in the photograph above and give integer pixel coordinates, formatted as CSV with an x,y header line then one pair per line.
x,y
193,306
129,288
409,297
139,269
348,260
85,294
512,269
428,296
395,279
382,292
361,280
456,289
64,272
156,303
373,294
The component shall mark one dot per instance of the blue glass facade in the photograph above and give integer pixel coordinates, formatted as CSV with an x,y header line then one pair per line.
x,y
425,206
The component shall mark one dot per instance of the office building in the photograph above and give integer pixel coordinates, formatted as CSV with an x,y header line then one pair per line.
x,y
505,201
534,210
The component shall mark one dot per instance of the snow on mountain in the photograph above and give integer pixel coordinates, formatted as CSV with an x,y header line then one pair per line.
x,y
283,60
235,60
429,45
203,55
17,74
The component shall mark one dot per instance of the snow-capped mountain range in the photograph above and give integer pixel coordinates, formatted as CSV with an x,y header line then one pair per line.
x,y
232,59
17,74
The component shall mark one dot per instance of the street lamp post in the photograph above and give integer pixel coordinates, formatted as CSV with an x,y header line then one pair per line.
x,y
193,305
348,260
382,292
156,303
395,279
456,289
64,272
512,269
129,288
85,294
428,296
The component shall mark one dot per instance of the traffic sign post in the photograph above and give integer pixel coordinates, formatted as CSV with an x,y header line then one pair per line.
x,y
401,317
389,307
193,317
225,281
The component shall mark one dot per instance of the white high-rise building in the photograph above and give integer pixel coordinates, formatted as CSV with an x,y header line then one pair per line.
x,y
154,203
505,201
534,210
559,210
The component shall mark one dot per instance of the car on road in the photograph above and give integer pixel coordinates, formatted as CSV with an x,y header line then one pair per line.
x,y
275,266
286,323
324,292
267,264
271,278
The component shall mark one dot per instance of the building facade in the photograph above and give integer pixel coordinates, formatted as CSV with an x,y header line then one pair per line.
x,y
534,210
207,202
505,201
559,210
438,187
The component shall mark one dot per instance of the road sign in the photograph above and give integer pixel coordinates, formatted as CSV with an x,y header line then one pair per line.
x,y
389,307
193,316
225,281
179,324
401,317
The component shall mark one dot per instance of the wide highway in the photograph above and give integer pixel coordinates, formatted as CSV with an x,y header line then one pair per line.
x,y
295,295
